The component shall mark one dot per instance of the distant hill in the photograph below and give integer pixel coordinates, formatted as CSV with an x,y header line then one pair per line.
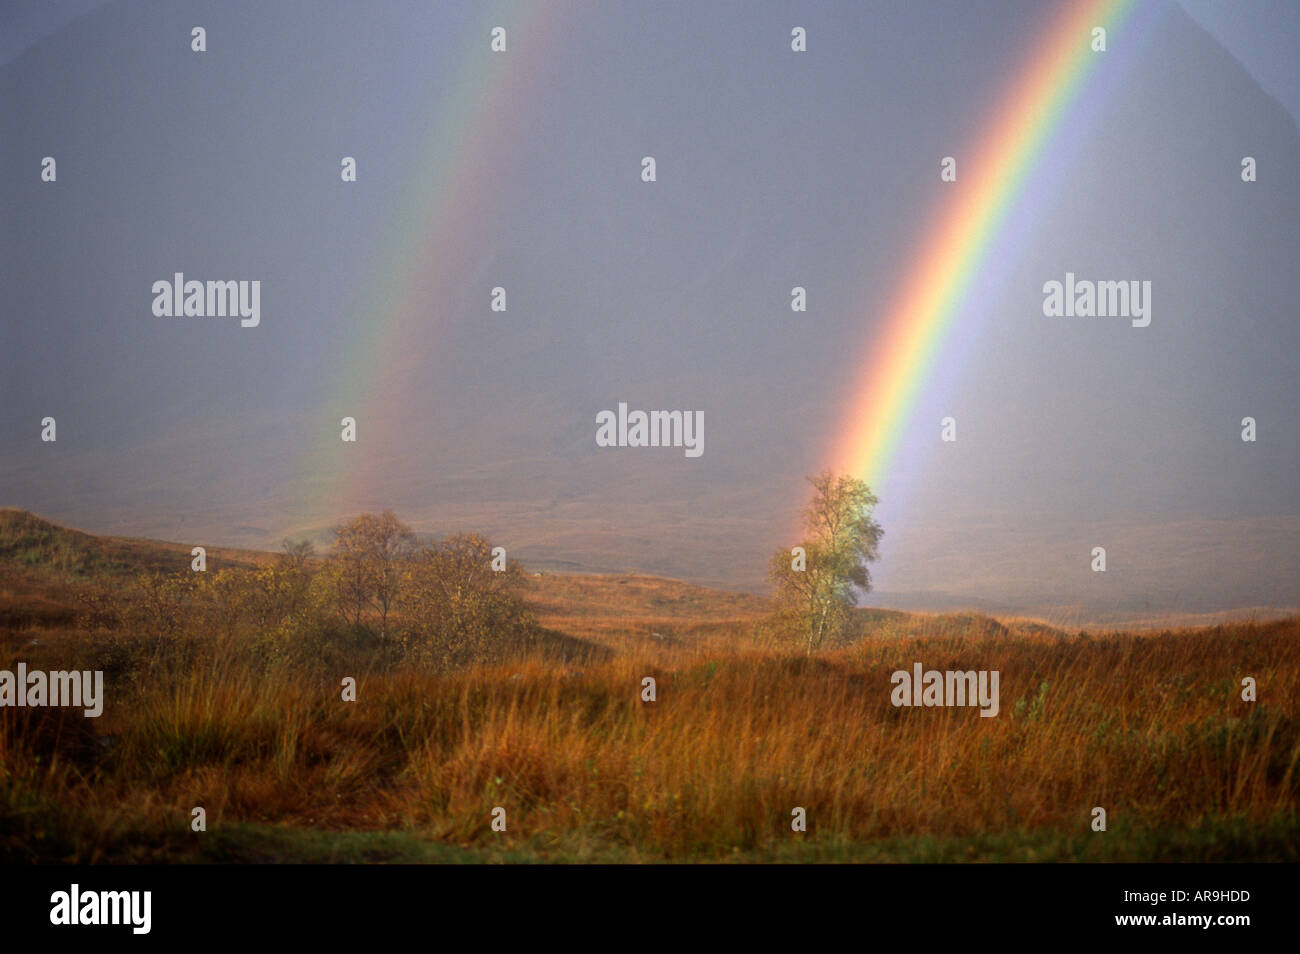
x,y
27,539
43,564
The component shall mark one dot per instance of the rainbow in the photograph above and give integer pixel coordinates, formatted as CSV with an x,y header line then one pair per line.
x,y
994,181
449,198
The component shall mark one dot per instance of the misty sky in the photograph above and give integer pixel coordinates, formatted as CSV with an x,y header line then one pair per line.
x,y
774,169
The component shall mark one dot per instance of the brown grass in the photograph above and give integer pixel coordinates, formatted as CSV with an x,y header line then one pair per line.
x,y
1150,727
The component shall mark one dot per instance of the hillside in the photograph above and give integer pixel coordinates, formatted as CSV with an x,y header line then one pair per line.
x,y
210,701
42,563
45,566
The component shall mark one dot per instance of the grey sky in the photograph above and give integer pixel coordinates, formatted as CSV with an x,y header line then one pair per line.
x,y
1264,35
775,169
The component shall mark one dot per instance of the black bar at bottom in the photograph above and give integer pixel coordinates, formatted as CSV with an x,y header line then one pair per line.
x,y
634,904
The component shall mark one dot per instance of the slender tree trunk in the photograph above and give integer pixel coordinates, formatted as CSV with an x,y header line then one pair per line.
x,y
816,636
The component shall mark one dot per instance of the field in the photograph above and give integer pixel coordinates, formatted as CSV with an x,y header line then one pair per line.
x,y
743,729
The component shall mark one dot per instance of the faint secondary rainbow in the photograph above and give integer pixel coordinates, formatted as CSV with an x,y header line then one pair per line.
x,y
991,178
474,111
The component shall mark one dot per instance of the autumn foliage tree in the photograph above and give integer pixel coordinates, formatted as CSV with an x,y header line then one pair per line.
x,y
464,603
368,561
818,582
447,604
